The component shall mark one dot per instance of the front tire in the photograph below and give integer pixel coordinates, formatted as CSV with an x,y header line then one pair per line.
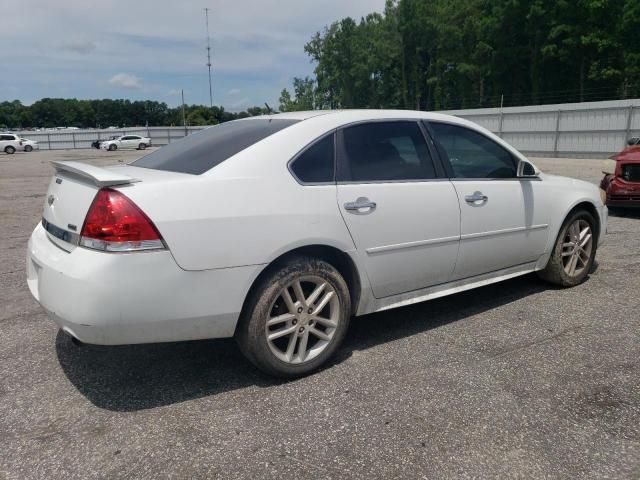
x,y
296,318
113,148
574,251
28,148
9,150
142,146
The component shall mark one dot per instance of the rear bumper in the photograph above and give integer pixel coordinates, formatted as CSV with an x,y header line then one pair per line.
x,y
143,297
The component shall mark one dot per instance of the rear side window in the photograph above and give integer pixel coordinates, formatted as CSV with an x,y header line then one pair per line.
x,y
384,151
204,150
316,163
472,155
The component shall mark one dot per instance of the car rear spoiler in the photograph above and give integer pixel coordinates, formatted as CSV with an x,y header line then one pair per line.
x,y
101,177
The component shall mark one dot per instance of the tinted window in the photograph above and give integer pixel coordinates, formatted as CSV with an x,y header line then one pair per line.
x,y
204,150
7,137
385,151
315,164
472,155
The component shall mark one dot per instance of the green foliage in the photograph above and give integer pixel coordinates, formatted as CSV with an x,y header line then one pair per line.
x,y
441,54
304,90
59,112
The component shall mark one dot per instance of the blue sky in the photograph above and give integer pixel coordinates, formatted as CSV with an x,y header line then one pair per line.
x,y
151,49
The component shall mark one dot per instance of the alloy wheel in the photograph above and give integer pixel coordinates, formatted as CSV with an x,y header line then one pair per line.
x,y
303,319
577,247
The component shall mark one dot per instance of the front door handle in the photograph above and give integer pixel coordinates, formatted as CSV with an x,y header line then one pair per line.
x,y
360,203
476,197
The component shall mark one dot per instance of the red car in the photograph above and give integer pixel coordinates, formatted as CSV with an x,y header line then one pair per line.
x,y
623,185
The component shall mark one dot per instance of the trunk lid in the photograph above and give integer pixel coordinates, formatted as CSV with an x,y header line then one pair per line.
x,y
69,196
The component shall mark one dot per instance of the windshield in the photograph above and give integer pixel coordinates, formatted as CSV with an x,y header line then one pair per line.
x,y
204,150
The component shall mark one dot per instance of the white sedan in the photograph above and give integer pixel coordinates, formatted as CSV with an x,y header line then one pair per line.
x,y
29,145
126,141
278,229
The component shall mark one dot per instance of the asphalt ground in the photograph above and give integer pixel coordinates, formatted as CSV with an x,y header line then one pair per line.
x,y
517,379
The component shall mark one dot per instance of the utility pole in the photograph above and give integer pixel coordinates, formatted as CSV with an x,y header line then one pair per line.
x,y
184,118
206,14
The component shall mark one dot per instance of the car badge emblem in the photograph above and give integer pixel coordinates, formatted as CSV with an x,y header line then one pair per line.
x,y
51,199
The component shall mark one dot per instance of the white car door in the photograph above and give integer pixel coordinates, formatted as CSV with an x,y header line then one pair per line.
x,y
504,219
401,212
128,141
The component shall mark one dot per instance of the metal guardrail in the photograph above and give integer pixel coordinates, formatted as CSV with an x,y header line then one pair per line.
x,y
69,139
596,129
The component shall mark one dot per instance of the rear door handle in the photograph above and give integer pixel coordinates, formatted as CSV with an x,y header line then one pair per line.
x,y
476,197
360,203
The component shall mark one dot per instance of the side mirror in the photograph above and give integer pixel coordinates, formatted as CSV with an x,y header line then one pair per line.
x,y
633,141
526,170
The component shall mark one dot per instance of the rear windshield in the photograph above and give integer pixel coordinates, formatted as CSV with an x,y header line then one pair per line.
x,y
204,150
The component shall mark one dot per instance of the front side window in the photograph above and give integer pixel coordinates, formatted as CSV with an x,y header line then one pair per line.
x,y
472,155
384,151
316,163
207,148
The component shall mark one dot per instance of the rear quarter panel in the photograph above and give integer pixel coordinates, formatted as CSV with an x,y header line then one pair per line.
x,y
246,211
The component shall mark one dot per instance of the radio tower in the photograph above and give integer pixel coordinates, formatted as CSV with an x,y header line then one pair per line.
x,y
206,14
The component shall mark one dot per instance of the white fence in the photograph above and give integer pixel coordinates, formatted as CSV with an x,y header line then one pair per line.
x,y
593,129
64,139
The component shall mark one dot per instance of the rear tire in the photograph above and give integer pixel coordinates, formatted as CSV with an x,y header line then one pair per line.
x,y
113,148
574,251
28,148
142,146
9,150
289,335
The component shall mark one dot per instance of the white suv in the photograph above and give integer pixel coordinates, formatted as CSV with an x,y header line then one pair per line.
x,y
10,142
126,141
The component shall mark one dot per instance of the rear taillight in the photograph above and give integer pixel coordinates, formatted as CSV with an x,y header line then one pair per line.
x,y
115,224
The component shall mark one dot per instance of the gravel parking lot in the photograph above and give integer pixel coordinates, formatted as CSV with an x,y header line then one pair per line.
x,y
516,379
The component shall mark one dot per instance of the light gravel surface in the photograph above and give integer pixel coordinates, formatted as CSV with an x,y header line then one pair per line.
x,y
512,380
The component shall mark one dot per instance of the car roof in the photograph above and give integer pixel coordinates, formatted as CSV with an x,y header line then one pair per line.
x,y
341,117
307,127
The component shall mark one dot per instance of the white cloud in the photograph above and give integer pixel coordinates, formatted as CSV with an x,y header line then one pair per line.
x,y
73,50
126,80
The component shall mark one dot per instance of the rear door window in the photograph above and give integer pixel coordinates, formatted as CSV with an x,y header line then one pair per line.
x,y
203,150
384,151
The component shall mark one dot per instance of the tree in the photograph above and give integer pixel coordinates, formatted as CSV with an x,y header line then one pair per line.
x,y
439,54
59,112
